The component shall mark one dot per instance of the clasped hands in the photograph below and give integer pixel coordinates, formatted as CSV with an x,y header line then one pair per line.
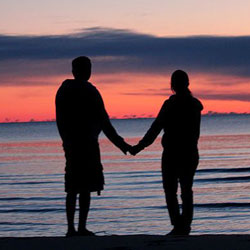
x,y
133,150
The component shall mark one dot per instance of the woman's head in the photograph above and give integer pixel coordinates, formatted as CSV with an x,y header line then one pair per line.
x,y
180,82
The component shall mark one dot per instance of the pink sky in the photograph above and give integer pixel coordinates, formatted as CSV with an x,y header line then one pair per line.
x,y
131,66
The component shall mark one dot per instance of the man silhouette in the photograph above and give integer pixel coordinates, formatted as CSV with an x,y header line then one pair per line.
x,y
179,117
80,117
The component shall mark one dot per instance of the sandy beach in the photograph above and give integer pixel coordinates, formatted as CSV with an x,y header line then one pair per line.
x,y
137,242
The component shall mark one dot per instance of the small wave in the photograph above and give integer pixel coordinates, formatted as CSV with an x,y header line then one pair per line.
x,y
42,210
134,160
125,197
225,179
223,170
223,205
31,183
29,175
21,199
31,198
7,223
132,172
135,183
134,188
99,208
222,157
137,176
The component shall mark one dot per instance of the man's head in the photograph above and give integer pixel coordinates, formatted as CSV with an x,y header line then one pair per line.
x,y
81,68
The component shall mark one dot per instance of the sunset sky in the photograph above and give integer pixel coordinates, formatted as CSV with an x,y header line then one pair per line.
x,y
134,45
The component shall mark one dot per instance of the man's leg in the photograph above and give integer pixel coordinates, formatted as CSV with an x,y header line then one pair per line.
x,y
84,203
70,212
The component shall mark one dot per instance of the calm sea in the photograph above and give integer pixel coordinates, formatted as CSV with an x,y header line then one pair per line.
x,y
32,181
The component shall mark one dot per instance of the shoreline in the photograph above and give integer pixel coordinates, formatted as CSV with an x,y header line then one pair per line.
x,y
126,242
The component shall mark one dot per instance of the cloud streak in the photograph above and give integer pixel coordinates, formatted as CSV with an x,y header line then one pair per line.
x,y
205,95
116,51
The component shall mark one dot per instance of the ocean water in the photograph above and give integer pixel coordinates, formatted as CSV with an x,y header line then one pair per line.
x,y
32,194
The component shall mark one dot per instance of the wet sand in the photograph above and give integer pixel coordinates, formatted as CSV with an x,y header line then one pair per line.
x,y
222,242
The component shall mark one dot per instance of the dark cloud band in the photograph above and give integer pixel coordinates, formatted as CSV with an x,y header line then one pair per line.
x,y
126,51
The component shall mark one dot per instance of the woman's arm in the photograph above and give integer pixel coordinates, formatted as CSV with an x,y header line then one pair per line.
x,y
152,133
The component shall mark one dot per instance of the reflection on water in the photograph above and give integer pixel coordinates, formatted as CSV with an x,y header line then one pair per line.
x,y
32,198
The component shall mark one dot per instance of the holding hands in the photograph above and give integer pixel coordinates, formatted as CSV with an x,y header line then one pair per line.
x,y
133,150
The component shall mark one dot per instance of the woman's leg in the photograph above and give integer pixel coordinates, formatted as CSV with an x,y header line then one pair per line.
x,y
170,188
186,182
170,185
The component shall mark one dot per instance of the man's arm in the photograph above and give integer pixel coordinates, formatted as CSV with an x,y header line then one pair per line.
x,y
109,130
112,135
59,113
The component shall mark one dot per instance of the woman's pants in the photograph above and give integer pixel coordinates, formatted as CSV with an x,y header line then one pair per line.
x,y
179,169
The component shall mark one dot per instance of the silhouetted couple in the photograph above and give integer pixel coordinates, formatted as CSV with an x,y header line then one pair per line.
x,y
81,116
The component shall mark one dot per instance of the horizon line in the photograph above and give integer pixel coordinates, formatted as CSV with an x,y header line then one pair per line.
x,y
129,117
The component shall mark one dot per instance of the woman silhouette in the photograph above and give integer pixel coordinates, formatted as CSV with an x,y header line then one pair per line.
x,y
179,117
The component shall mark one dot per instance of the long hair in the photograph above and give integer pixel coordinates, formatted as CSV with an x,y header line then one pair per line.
x,y
180,82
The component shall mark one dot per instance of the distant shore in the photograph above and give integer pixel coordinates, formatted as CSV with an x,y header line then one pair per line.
x,y
129,117
135,242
